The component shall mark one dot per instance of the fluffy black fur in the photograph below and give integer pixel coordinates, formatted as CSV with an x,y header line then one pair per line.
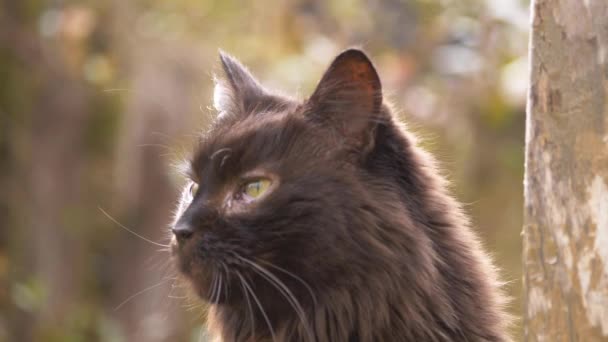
x,y
357,239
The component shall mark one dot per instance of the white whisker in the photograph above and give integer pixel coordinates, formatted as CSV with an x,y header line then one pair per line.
x,y
141,292
225,282
211,290
250,311
219,289
259,304
132,232
312,295
283,289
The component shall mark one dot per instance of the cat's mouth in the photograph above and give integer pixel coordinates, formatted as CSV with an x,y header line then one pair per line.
x,y
217,274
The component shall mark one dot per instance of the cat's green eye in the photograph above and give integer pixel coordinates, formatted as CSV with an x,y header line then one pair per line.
x,y
193,189
257,188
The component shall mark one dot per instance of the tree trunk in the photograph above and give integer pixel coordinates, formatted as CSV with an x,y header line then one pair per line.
x,y
566,181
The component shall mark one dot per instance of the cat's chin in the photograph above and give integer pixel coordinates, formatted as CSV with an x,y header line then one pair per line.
x,y
208,288
200,276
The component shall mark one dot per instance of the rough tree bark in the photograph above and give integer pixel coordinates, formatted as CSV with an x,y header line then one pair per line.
x,y
566,181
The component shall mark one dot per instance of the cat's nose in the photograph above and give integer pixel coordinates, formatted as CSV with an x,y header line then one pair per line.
x,y
182,231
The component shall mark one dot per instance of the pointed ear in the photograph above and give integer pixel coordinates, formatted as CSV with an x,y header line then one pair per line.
x,y
238,92
349,96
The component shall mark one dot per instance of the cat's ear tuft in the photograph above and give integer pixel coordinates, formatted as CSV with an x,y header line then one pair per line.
x,y
238,91
349,96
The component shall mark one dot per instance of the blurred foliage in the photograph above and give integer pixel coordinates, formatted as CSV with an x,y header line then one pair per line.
x,y
99,98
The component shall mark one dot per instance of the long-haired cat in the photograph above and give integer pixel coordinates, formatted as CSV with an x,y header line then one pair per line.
x,y
320,220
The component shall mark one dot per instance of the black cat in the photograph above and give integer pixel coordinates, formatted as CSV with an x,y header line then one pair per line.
x,y
320,220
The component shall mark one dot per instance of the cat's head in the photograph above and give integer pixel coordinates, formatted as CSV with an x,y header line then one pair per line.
x,y
279,187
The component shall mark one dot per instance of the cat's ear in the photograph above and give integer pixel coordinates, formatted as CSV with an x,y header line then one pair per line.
x,y
237,92
349,96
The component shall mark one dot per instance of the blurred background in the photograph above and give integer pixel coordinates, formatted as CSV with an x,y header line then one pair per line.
x,y
99,99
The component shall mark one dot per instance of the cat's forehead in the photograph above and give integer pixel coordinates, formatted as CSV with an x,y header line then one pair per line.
x,y
239,145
